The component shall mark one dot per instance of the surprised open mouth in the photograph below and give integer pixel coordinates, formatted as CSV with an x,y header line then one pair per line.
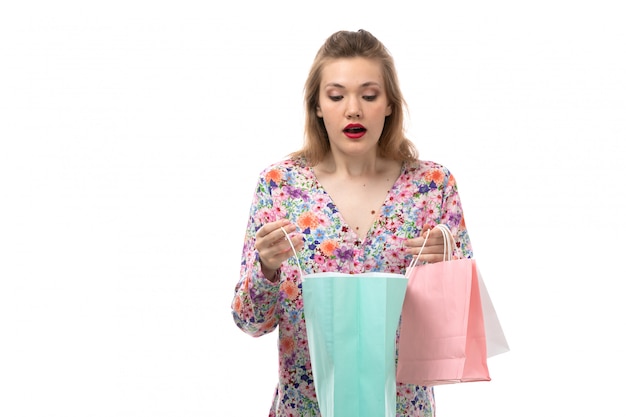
x,y
354,131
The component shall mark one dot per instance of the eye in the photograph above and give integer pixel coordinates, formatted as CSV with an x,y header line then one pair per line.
x,y
369,98
335,98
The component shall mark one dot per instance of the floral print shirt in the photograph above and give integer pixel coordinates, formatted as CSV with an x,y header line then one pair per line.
x,y
424,194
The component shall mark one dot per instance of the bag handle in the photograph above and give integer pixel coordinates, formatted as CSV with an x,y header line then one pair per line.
x,y
448,245
293,248
448,241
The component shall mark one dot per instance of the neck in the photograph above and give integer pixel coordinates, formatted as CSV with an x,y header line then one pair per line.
x,y
362,166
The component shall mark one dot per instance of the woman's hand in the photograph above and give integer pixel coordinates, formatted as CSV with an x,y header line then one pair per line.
x,y
273,246
433,250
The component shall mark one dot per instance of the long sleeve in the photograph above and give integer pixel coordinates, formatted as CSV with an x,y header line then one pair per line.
x,y
435,199
452,216
255,303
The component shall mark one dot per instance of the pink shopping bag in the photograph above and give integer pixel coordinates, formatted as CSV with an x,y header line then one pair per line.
x,y
442,329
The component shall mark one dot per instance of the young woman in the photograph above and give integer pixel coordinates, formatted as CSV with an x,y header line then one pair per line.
x,y
354,199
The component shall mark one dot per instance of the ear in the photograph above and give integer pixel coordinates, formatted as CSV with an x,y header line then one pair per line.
x,y
388,110
318,112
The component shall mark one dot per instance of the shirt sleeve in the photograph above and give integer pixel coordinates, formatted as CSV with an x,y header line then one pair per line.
x,y
255,302
452,216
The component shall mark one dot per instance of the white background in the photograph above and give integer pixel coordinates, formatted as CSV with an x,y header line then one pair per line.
x,y
132,133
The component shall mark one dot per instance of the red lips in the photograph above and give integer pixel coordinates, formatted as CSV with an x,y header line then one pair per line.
x,y
354,130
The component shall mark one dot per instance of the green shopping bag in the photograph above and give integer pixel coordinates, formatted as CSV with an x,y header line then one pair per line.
x,y
351,323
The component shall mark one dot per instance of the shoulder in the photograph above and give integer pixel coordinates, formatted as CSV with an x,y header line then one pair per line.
x,y
423,167
281,171
286,164
428,174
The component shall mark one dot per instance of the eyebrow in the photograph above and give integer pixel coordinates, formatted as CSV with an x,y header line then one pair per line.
x,y
367,84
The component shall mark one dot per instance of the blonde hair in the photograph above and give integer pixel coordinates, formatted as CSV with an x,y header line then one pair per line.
x,y
393,143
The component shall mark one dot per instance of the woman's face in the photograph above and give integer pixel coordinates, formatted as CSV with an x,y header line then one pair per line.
x,y
353,104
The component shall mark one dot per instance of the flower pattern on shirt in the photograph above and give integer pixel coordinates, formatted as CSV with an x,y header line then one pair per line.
x,y
424,194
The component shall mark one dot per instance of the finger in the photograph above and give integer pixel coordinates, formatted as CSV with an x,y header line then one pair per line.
x,y
279,242
295,242
268,228
431,232
419,241
264,241
434,242
431,258
276,238
433,250
272,233
412,246
273,256
430,248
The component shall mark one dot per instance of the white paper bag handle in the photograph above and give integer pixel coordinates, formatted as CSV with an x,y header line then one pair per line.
x,y
448,246
292,248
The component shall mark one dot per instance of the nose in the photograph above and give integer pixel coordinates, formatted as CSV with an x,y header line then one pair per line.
x,y
353,109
